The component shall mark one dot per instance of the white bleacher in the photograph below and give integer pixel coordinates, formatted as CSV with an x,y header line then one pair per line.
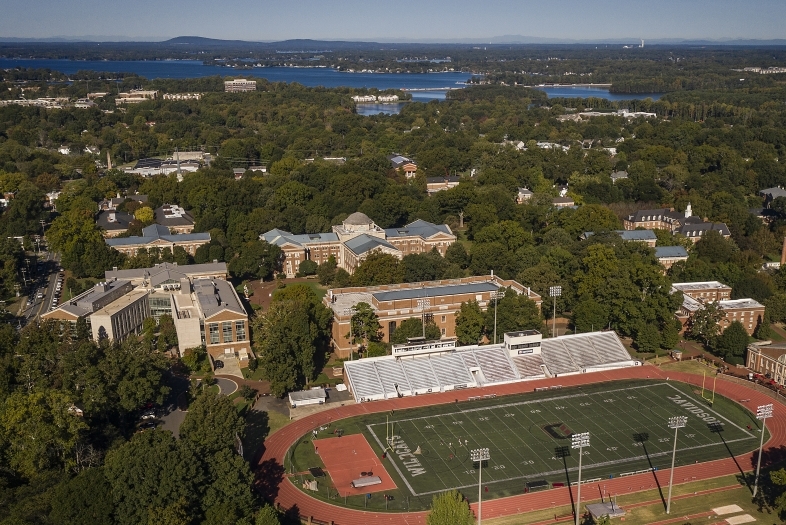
x,y
581,351
557,358
364,380
451,370
469,360
609,347
421,376
375,378
391,374
495,365
529,366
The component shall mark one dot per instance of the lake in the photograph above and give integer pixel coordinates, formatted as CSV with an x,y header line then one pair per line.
x,y
311,77
308,76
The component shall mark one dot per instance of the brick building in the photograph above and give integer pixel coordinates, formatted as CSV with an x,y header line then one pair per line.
x,y
695,295
437,301
355,238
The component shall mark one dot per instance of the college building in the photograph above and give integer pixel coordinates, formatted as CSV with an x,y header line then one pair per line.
x,y
667,219
768,360
435,301
695,295
204,306
157,236
355,238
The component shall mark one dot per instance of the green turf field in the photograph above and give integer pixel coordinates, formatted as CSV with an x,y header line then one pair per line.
x,y
627,425
529,434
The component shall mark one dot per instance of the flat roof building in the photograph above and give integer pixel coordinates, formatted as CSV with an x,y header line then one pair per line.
x,y
695,295
436,301
239,85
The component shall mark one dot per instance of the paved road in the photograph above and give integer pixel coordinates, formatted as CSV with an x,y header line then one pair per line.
x,y
226,386
41,306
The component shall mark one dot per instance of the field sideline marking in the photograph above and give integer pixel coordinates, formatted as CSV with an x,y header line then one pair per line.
x,y
517,404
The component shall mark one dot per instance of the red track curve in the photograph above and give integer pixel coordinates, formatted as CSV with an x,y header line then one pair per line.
x,y
288,495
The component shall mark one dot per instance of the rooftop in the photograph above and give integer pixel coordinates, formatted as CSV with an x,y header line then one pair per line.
x,y
216,295
190,269
700,285
670,251
435,291
156,232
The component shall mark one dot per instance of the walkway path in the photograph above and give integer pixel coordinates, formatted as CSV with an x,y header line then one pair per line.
x,y
270,469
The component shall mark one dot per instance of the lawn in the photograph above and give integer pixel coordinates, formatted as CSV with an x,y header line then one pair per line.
x,y
529,438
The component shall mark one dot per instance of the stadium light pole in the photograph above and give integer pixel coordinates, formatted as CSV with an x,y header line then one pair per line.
x,y
496,296
579,441
762,412
675,422
480,455
554,292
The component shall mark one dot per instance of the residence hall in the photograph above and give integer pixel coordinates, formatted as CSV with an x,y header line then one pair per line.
x,y
684,223
157,236
696,294
355,238
436,301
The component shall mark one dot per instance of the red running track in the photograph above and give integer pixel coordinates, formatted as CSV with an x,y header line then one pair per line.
x,y
288,495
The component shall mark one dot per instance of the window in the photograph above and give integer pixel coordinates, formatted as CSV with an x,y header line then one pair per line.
x,y
226,328
240,330
213,328
444,318
443,331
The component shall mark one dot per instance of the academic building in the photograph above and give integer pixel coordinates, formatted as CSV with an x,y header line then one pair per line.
x,y
358,236
434,301
695,295
203,304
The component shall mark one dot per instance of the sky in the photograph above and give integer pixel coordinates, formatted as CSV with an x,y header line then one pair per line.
x,y
398,20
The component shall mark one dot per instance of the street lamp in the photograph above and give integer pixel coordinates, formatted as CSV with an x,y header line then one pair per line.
x,y
554,292
479,455
675,423
762,412
496,296
579,441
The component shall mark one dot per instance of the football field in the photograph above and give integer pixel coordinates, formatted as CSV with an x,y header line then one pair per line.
x,y
528,436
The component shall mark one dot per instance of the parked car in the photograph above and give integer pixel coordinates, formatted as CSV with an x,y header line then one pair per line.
x,y
218,364
150,414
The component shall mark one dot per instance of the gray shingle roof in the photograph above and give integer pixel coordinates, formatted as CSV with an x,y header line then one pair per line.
x,y
365,243
156,232
419,227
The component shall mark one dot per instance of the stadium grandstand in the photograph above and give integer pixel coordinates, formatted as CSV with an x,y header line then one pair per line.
x,y
422,367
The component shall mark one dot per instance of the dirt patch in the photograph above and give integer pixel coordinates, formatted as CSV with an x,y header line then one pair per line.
x,y
263,292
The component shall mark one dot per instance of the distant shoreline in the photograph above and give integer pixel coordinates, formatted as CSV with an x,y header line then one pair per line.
x,y
569,85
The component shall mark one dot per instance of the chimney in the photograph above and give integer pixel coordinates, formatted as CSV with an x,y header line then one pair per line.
x,y
112,217
783,252
108,161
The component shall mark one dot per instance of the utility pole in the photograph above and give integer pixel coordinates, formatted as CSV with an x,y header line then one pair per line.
x,y
762,412
579,441
676,422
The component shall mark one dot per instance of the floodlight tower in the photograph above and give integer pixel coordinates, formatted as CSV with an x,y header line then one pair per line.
x,y
675,422
762,412
496,296
554,292
480,455
579,441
